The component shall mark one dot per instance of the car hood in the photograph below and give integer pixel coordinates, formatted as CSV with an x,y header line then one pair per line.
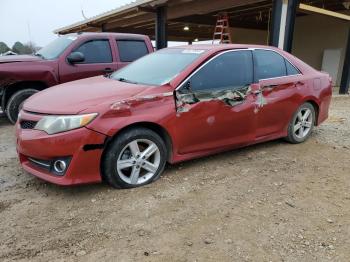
x,y
77,96
18,58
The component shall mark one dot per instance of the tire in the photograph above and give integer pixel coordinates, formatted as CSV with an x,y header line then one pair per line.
x,y
15,103
125,165
300,128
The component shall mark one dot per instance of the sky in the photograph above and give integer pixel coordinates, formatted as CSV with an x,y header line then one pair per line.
x,y
35,20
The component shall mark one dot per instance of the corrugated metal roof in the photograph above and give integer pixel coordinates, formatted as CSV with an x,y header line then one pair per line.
x,y
121,9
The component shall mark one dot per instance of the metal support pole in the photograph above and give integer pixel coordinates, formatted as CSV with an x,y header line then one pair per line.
x,y
275,23
161,27
103,28
345,77
290,22
282,26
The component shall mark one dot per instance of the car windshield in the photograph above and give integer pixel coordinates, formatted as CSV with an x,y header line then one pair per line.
x,y
56,47
157,68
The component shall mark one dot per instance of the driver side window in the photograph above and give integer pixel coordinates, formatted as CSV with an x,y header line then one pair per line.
x,y
232,70
96,51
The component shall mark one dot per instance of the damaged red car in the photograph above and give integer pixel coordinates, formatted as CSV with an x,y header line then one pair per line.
x,y
173,105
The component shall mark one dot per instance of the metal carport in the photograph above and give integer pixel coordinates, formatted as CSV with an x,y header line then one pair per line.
x,y
165,20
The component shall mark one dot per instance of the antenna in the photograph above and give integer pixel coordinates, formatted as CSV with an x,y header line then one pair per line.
x,y
29,33
30,44
82,11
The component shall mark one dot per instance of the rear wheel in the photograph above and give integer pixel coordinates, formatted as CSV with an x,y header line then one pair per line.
x,y
15,103
135,158
302,124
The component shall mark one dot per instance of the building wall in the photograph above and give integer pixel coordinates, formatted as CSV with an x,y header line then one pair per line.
x,y
249,36
315,33
312,35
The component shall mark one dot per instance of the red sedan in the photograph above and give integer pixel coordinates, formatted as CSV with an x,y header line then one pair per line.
x,y
173,105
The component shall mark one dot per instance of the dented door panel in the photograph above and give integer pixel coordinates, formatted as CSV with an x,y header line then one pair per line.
x,y
215,120
280,96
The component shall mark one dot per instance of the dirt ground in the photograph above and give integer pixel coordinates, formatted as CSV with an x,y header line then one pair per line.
x,y
270,202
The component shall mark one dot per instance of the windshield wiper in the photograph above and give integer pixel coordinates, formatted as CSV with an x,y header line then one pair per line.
x,y
40,55
121,79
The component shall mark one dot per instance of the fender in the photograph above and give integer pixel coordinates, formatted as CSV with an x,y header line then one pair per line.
x,y
13,75
45,71
151,111
156,109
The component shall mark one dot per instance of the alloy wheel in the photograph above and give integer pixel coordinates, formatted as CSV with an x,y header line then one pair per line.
x,y
138,161
303,123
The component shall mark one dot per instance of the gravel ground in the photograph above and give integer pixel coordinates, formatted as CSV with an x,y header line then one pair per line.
x,y
269,202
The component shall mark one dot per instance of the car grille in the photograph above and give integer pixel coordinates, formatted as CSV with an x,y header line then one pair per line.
x,y
27,124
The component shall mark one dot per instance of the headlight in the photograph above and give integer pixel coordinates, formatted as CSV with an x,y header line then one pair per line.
x,y
57,124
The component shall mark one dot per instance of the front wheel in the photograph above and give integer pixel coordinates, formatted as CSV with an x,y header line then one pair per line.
x,y
15,103
134,158
302,124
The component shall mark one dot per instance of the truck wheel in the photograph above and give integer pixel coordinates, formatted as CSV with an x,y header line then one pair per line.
x,y
15,103
134,158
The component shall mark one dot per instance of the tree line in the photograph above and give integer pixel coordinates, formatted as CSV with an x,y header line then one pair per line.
x,y
19,48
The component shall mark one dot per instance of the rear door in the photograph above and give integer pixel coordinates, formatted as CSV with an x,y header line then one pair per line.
x,y
98,60
130,50
215,109
279,80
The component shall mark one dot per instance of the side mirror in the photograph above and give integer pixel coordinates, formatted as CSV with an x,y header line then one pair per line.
x,y
255,88
75,57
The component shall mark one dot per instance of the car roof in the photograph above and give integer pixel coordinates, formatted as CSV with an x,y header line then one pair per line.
x,y
106,34
219,47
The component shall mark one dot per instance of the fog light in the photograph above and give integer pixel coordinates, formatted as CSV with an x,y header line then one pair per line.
x,y
60,166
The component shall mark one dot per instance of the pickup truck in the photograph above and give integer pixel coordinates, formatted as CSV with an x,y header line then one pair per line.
x,y
69,57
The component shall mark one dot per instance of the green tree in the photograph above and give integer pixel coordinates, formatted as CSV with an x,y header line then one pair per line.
x,y
30,48
4,48
18,48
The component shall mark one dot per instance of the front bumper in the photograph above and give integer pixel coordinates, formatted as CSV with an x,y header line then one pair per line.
x,y
82,146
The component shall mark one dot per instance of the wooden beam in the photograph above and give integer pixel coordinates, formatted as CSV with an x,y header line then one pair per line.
x,y
205,7
201,34
176,11
312,9
146,9
141,19
210,21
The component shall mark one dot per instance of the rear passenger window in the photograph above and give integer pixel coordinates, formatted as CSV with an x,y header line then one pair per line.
x,y
130,50
291,70
96,51
231,70
268,64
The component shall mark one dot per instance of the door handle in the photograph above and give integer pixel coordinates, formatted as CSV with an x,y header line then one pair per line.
x,y
270,86
108,70
298,83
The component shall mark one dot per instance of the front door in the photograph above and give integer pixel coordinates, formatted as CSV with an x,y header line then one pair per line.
x,y
215,108
98,61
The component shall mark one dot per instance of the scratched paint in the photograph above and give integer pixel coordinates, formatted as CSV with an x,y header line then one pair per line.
x,y
126,104
230,97
185,98
211,120
260,102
